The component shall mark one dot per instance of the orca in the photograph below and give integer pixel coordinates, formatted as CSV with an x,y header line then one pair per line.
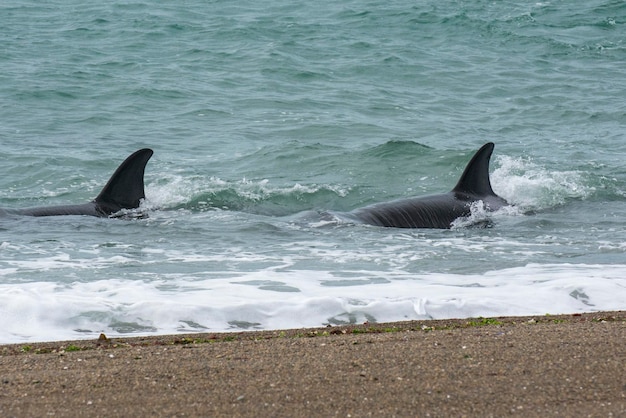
x,y
441,210
124,190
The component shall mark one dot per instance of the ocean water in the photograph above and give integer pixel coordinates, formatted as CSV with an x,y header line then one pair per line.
x,y
265,116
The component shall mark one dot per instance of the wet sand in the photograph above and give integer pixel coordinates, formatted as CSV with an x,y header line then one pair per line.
x,y
569,365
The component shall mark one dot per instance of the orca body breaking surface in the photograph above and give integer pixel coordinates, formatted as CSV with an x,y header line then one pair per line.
x,y
439,211
124,190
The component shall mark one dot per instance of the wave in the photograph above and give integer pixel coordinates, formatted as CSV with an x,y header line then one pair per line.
x,y
340,179
397,149
292,177
244,195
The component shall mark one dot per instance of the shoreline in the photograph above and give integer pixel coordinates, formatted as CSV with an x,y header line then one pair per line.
x,y
43,347
553,364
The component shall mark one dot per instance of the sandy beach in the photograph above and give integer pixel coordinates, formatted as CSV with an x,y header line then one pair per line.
x,y
568,365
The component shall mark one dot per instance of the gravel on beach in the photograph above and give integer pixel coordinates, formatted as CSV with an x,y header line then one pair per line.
x,y
563,365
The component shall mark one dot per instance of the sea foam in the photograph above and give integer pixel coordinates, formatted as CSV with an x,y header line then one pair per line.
x,y
273,299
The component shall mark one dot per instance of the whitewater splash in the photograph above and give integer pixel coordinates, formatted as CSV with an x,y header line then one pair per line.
x,y
531,187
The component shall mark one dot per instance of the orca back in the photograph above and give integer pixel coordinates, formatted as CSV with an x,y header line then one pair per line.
x,y
439,211
124,190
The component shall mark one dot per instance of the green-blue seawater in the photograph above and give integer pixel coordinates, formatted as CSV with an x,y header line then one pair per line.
x,y
264,117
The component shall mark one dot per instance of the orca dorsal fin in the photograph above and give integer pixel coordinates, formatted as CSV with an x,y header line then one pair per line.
x,y
475,178
125,188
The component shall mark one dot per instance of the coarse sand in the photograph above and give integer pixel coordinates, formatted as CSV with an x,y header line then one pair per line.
x,y
564,365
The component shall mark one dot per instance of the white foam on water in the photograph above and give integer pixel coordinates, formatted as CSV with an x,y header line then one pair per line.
x,y
272,298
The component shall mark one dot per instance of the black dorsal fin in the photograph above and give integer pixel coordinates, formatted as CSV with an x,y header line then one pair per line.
x,y
125,189
475,178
